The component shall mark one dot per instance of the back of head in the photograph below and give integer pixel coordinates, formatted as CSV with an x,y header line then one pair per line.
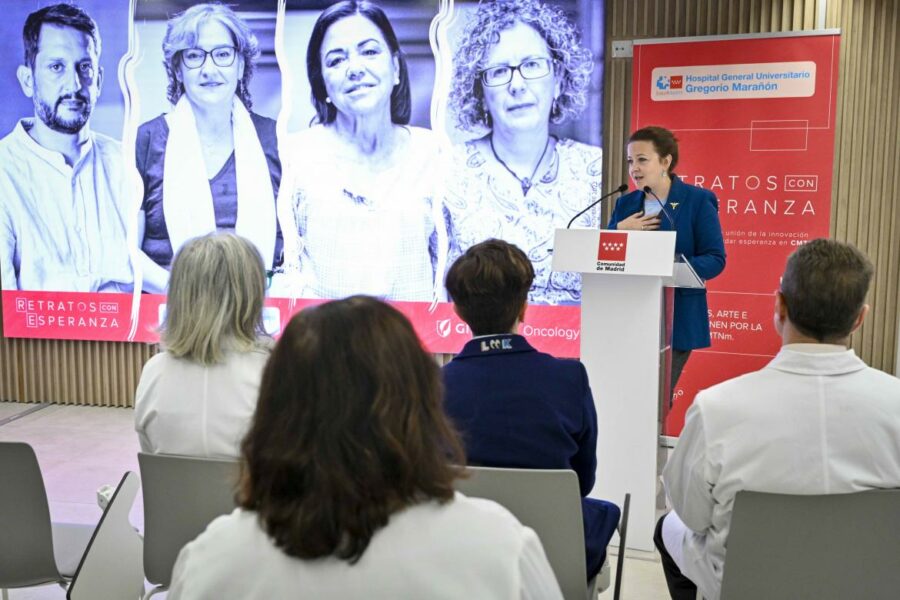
x,y
61,15
824,288
489,286
215,298
349,428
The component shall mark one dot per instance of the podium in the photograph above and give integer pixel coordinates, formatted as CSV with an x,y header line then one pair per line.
x,y
626,308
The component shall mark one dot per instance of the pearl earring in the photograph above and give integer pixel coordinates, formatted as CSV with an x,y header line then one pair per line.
x,y
327,99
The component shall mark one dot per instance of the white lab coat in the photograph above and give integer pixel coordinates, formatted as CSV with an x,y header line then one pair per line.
x,y
815,420
464,549
183,407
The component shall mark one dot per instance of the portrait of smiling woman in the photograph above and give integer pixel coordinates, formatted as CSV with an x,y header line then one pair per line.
x,y
210,164
520,67
359,182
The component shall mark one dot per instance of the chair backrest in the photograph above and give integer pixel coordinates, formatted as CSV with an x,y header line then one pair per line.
x,y
26,540
823,547
182,496
547,501
112,565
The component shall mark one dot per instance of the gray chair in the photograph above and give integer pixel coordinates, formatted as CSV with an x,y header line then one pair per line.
x,y
182,495
112,564
837,546
549,502
33,550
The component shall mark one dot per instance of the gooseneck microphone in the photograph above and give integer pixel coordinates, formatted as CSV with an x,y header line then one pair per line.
x,y
662,206
618,190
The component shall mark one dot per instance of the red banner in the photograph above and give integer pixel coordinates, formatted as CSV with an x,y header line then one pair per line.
x,y
754,117
108,317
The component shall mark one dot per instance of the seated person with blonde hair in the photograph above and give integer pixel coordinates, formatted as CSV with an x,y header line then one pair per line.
x,y
197,397
517,407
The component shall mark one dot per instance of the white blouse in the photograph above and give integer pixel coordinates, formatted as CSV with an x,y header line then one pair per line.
x,y
183,407
349,230
464,549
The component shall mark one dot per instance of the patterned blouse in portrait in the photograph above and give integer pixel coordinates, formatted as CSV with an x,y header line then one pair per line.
x,y
483,201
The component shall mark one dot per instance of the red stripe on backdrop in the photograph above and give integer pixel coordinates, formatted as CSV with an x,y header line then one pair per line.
x,y
107,317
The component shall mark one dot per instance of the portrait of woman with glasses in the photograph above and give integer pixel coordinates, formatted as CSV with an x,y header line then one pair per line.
x,y
521,66
210,164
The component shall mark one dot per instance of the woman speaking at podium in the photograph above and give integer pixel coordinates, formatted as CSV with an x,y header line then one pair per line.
x,y
663,202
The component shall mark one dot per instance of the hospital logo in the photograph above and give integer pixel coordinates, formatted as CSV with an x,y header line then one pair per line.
x,y
670,82
667,85
613,246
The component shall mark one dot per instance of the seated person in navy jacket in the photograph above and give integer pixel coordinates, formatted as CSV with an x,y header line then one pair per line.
x,y
517,407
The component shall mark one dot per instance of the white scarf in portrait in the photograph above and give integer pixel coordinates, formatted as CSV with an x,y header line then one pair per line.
x,y
187,198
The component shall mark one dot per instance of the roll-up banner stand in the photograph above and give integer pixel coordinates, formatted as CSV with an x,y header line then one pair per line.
x,y
754,116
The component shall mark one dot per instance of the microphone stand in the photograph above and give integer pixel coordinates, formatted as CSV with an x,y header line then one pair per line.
x,y
618,190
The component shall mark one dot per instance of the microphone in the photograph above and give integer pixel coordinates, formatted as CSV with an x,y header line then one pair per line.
x,y
618,190
662,206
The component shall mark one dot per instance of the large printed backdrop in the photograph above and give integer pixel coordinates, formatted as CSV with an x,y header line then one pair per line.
x,y
133,93
755,119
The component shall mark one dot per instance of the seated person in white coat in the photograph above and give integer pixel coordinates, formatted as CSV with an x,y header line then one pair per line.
x,y
794,427
347,481
197,397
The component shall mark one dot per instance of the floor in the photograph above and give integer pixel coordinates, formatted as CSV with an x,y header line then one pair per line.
x,y
81,448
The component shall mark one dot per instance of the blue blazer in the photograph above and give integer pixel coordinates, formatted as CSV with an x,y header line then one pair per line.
x,y
520,408
695,212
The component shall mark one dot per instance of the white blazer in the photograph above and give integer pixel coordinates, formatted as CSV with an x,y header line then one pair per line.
x,y
815,420
461,550
183,407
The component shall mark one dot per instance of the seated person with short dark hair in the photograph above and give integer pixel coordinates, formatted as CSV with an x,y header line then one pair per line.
x,y
517,407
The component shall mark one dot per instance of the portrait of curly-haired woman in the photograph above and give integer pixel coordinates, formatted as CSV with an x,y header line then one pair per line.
x,y
520,69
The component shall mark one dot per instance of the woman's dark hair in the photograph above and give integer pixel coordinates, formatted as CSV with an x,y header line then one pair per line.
x,y
663,141
401,101
349,429
489,285
824,288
